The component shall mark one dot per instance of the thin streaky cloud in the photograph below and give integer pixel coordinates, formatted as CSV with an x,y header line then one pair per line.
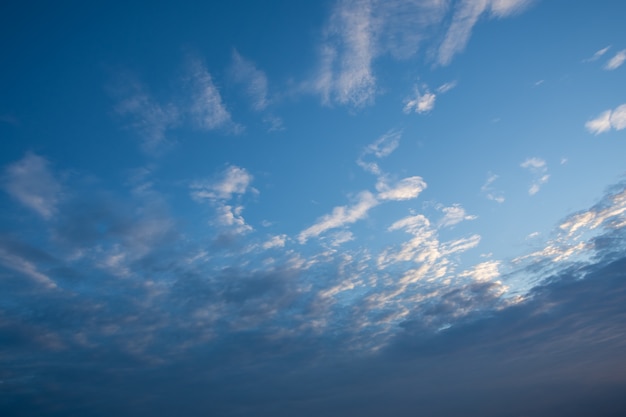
x,y
254,80
454,215
464,18
19,264
598,54
617,60
380,148
489,190
444,88
340,216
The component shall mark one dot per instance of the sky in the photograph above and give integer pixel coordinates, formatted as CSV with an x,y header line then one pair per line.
x,y
335,207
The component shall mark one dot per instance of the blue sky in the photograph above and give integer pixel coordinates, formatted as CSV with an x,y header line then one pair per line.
x,y
352,207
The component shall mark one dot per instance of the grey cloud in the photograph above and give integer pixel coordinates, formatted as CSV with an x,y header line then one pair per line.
x,y
31,182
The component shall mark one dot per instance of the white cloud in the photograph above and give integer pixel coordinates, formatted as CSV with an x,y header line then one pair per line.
x,y
31,182
425,102
341,237
607,120
483,272
454,215
405,189
245,72
539,169
361,31
206,107
346,74
341,216
380,148
230,217
421,103
465,16
617,60
277,241
489,190
234,180
460,245
534,163
598,54
444,88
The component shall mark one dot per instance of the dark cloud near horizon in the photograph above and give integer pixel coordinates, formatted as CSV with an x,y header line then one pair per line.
x,y
562,352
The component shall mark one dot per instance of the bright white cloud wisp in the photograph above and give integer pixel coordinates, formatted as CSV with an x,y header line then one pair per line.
x,y
610,119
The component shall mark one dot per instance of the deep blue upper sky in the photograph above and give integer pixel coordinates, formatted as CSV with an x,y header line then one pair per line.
x,y
350,207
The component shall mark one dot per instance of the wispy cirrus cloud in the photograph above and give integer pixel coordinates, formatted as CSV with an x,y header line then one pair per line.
x,y
490,192
255,83
341,216
360,31
617,60
539,170
607,120
206,107
453,215
598,54
380,148
465,16
31,182
346,74
144,114
254,80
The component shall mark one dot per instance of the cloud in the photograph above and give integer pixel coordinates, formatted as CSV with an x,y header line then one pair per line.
x,y
206,107
617,61
31,182
233,181
340,216
230,217
607,120
489,191
405,189
445,87
425,102
12,259
380,148
359,32
454,215
255,81
277,241
345,73
539,169
465,16
598,54
149,118
422,103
